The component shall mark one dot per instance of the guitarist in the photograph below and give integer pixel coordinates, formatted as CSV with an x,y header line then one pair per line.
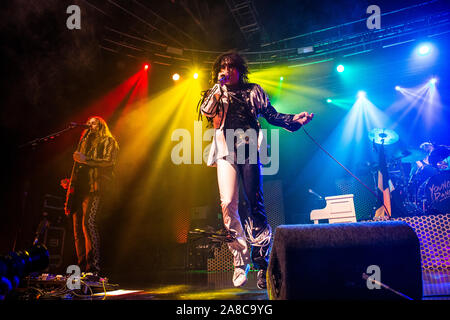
x,y
92,174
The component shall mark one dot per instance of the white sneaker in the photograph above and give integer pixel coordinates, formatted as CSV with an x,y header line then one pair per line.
x,y
240,275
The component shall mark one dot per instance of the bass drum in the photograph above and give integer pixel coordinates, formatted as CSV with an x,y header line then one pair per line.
x,y
434,194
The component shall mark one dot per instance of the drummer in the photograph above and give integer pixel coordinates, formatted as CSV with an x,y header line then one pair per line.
x,y
427,147
422,170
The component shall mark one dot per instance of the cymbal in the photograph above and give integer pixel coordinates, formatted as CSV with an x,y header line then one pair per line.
x,y
383,136
411,155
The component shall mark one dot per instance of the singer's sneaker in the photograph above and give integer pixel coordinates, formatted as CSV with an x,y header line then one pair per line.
x,y
240,275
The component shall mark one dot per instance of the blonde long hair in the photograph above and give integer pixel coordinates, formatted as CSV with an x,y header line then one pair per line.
x,y
103,130
103,127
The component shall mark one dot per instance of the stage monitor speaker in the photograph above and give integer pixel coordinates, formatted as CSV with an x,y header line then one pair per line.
x,y
329,261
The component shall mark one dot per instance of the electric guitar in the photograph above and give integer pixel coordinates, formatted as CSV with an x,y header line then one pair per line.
x,y
68,206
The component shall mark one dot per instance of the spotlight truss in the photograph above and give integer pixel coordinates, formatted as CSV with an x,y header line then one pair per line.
x,y
163,47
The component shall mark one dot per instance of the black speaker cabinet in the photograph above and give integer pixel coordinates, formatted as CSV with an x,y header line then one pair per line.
x,y
345,261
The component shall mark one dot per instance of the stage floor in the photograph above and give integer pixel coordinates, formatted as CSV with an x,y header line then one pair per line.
x,y
191,285
201,285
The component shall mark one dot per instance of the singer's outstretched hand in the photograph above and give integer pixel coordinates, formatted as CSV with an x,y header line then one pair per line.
x,y
303,117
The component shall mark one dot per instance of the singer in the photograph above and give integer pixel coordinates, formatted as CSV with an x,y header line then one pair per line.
x,y
92,175
235,104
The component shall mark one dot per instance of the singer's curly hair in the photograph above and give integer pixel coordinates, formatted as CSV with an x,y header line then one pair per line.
x,y
236,60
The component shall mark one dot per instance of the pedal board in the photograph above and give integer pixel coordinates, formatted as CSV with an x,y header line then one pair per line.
x,y
48,286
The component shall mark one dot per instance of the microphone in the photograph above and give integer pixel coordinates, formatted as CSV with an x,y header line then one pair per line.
x,y
317,195
222,78
82,125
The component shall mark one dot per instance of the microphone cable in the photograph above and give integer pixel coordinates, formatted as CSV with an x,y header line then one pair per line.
x,y
348,171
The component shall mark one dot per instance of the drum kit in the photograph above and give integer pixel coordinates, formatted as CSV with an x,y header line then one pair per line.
x,y
421,180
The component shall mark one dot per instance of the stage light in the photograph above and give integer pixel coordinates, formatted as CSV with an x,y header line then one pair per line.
x,y
340,68
397,88
329,100
424,49
17,265
146,66
424,54
281,78
421,104
196,75
176,77
361,94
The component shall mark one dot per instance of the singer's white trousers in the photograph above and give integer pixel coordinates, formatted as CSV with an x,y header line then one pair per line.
x,y
228,180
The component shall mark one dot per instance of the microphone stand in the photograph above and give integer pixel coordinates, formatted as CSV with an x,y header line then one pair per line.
x,y
32,144
35,142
